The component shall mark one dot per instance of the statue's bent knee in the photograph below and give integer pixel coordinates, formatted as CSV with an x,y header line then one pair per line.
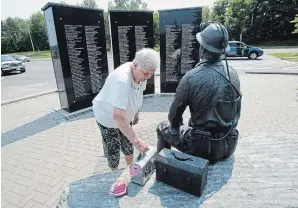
x,y
161,131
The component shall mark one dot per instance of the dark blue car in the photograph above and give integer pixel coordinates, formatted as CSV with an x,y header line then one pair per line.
x,y
240,49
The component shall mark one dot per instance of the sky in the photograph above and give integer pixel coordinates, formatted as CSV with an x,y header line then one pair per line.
x,y
25,8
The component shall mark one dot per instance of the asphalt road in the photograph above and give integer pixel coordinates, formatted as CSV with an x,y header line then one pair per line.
x,y
40,76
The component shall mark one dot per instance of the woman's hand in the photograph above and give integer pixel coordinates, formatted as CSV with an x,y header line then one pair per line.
x,y
142,147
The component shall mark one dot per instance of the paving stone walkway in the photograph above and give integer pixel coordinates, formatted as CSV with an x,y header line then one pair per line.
x,y
256,176
42,154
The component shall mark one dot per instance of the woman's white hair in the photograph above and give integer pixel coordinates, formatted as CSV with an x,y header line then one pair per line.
x,y
147,59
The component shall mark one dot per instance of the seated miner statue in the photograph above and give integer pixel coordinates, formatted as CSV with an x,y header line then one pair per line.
x,y
212,92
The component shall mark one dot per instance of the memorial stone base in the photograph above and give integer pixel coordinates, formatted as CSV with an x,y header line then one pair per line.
x,y
255,176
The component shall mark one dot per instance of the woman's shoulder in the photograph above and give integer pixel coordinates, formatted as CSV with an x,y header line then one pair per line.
x,y
121,74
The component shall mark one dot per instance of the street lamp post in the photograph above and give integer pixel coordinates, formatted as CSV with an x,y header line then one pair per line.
x,y
31,40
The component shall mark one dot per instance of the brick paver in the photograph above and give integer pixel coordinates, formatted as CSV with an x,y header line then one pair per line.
x,y
255,176
37,166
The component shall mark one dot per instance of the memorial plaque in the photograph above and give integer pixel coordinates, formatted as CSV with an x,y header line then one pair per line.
x,y
179,49
77,42
130,32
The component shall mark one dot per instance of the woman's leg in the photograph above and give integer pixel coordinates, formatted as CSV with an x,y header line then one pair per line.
x,y
111,145
126,148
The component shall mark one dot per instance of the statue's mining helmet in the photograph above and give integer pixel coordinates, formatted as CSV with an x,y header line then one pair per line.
x,y
213,37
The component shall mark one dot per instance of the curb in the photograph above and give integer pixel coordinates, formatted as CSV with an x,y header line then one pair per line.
x,y
50,59
10,101
41,59
158,95
276,47
272,72
7,102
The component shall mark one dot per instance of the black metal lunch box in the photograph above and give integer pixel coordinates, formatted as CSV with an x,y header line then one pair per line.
x,y
182,171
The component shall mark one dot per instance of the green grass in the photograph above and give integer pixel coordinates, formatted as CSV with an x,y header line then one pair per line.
x,y
273,46
35,55
276,44
292,56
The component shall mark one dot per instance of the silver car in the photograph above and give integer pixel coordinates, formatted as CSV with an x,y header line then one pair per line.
x,y
9,64
21,58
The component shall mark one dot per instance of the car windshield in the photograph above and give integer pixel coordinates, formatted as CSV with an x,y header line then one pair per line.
x,y
7,58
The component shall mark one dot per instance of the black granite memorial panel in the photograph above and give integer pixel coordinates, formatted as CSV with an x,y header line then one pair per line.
x,y
77,42
130,32
179,49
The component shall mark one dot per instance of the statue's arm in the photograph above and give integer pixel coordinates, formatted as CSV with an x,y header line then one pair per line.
x,y
179,103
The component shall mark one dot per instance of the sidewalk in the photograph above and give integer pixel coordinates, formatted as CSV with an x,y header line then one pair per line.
x,y
265,64
42,154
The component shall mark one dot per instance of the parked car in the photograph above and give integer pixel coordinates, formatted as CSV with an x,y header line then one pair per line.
x,y
240,49
21,58
9,64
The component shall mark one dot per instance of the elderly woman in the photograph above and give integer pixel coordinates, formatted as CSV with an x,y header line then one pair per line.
x,y
117,104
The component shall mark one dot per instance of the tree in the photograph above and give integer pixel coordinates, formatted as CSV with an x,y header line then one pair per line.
x,y
296,24
127,5
234,15
15,36
272,20
6,44
89,4
206,14
257,20
107,30
219,10
237,18
9,31
156,29
38,31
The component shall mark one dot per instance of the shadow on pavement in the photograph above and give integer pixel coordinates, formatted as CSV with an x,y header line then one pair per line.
x,y
11,74
34,127
218,175
56,117
160,104
93,192
90,192
243,59
51,120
